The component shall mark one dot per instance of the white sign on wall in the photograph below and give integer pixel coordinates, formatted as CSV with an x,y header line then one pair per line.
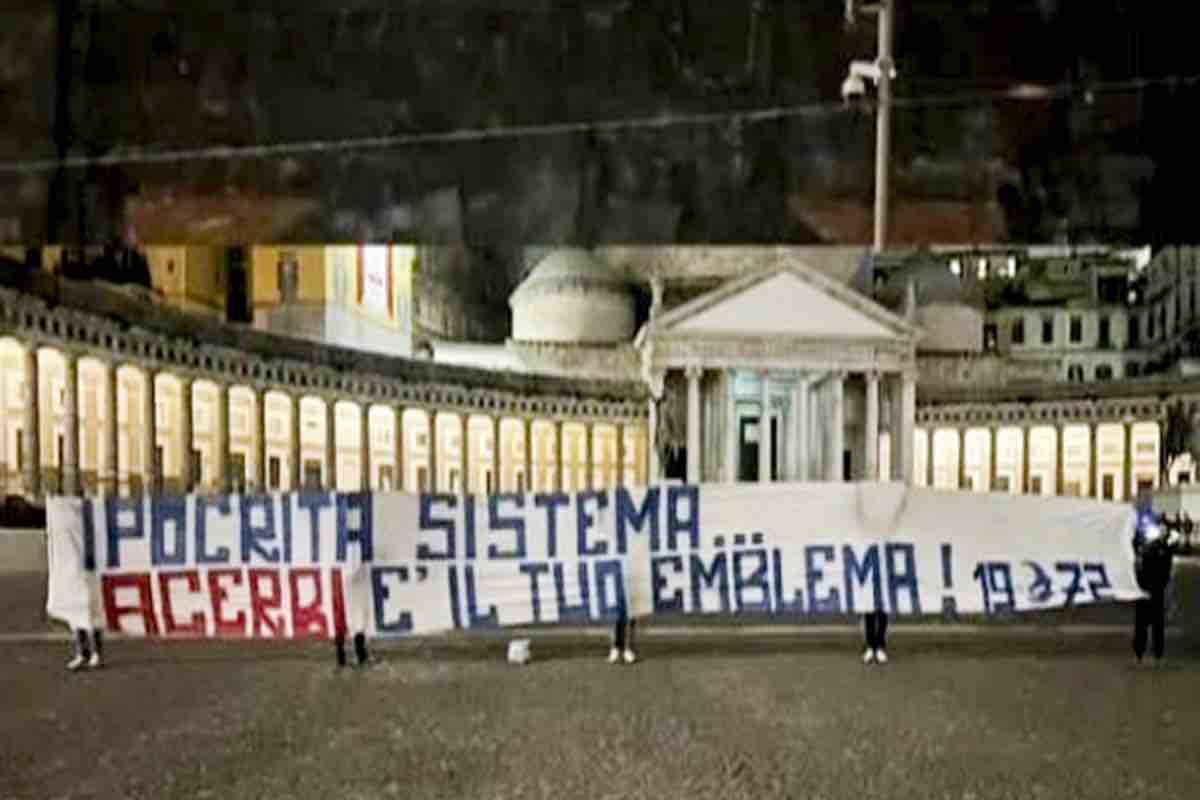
x,y
375,279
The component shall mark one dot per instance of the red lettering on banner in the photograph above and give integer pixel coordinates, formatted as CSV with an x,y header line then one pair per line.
x,y
196,626
339,602
109,584
260,604
236,627
307,620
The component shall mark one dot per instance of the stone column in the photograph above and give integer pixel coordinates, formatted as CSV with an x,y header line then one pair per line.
x,y
1058,460
149,433
560,447
619,476
905,442
527,432
1026,461
364,447
112,445
433,451
653,475
871,425
260,439
764,427
497,454
589,431
962,458
803,429
816,435
837,426
295,445
930,472
221,427
70,454
993,457
331,444
464,452
1127,465
694,460
731,427
398,431
31,430
186,425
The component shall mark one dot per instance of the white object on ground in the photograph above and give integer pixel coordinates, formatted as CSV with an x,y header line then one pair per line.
x,y
518,651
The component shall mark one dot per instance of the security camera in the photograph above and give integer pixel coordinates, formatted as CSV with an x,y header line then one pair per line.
x,y
853,87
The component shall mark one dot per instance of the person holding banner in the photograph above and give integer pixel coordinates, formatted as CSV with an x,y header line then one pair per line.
x,y
1154,550
622,646
875,630
86,654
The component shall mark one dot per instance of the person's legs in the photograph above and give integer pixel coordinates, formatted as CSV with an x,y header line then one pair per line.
x,y
869,636
97,650
881,625
360,648
618,640
1158,623
1141,619
339,642
629,630
82,651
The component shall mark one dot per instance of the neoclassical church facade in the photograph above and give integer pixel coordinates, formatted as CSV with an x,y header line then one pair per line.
x,y
624,365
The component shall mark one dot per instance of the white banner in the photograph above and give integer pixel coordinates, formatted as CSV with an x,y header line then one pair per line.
x,y
294,565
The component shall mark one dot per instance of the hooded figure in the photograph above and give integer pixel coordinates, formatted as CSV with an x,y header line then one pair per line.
x,y
1154,548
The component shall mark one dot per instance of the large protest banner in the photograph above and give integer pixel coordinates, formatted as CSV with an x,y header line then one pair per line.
x,y
315,564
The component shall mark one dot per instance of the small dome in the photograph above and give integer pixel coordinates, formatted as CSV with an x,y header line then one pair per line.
x,y
570,296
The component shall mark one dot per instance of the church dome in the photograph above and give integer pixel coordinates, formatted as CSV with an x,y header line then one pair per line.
x,y
571,296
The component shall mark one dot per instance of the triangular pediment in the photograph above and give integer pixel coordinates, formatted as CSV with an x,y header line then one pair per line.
x,y
791,301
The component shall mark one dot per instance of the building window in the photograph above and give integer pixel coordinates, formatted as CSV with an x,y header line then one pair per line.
x,y
1018,332
1105,333
1104,372
989,337
1150,326
274,470
1132,369
1074,373
1047,330
1076,330
1133,332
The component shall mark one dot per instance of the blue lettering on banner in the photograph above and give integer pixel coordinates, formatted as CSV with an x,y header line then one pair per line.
x,y
756,580
253,536
381,577
362,533
675,601
515,524
901,578
116,510
677,498
469,527
533,569
551,501
782,604
832,602
1076,585
995,578
610,588
859,572
637,517
430,503
580,612
474,618
584,521
1099,586
717,574
163,510
314,502
203,556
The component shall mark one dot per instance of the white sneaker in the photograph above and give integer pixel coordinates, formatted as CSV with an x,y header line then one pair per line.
x,y
630,657
94,662
614,656
869,656
881,656
76,663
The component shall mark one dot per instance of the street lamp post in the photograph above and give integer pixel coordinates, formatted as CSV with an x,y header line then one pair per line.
x,y
881,72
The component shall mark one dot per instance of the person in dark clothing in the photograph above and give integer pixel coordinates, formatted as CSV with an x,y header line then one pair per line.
x,y
360,648
1154,550
875,629
622,647
88,650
